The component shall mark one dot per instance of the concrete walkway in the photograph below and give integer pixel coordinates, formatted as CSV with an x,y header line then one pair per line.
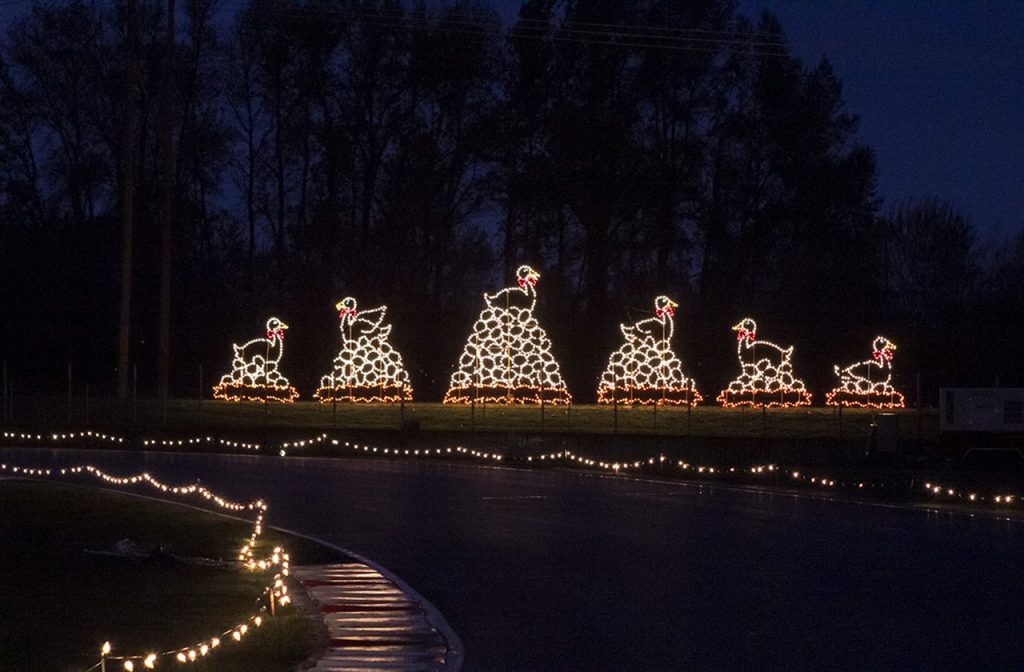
x,y
371,623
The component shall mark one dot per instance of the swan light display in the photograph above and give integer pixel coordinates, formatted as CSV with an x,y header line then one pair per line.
x,y
766,373
868,384
254,370
367,369
645,370
507,358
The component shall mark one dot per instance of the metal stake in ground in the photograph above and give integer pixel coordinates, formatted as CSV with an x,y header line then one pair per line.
x,y
542,405
266,404
615,400
764,421
919,412
689,405
200,395
135,394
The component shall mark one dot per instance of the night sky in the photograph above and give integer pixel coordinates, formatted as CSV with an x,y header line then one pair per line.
x,y
938,86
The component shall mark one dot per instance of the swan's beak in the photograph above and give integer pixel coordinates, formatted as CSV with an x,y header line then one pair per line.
x,y
339,305
672,304
534,275
737,327
283,325
890,345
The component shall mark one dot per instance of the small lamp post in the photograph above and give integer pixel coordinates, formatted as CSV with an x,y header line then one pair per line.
x,y
104,652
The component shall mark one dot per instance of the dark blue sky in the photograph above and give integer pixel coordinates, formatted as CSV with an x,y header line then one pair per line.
x,y
939,87
938,84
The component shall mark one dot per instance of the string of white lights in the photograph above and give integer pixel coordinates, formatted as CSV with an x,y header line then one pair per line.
x,y
575,459
967,496
456,451
167,443
626,466
63,436
946,492
277,561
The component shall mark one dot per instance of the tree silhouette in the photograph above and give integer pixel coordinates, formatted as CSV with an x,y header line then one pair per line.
x,y
394,151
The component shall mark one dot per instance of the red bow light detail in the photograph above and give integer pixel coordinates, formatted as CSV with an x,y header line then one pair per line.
x,y
275,333
877,355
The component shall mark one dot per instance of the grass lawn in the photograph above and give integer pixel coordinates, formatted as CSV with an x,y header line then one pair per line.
x,y
58,604
702,421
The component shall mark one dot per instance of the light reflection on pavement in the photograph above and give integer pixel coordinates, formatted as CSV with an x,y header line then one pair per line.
x,y
546,570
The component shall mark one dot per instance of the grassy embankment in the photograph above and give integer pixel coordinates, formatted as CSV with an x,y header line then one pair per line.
x,y
60,603
251,419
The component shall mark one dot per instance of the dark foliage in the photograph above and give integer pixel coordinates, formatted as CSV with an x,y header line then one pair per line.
x,y
415,155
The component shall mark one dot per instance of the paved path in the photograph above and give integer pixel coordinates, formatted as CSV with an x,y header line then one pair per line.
x,y
371,623
550,571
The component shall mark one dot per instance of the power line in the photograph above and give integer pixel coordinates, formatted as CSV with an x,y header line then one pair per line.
x,y
558,34
572,27
12,3
546,24
569,32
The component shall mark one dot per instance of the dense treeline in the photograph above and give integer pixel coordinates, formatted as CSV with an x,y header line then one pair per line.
x,y
414,155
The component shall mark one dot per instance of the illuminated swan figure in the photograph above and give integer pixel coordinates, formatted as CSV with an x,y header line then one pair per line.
x,y
766,378
254,375
868,384
507,359
645,370
367,369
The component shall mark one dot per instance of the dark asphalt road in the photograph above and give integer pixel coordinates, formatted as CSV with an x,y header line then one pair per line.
x,y
567,571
